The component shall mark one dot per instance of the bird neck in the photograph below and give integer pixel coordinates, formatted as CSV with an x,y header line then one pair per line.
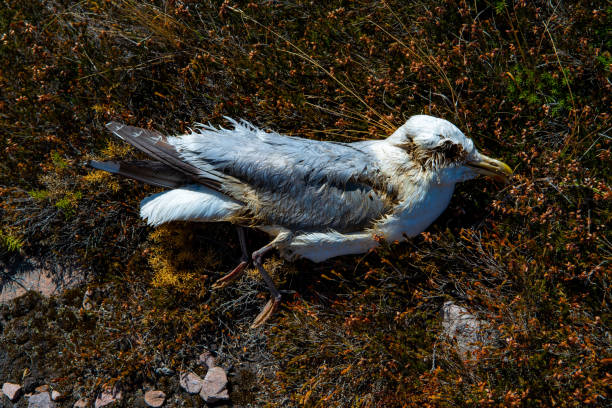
x,y
418,209
418,187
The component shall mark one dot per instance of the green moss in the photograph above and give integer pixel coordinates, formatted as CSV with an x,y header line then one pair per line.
x,y
58,160
9,242
538,87
38,194
69,203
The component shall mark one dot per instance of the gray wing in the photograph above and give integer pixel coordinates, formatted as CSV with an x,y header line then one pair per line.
x,y
297,183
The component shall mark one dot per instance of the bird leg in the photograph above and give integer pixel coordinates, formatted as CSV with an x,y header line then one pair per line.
x,y
239,270
273,303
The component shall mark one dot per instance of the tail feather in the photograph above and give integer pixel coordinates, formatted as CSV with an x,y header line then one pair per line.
x,y
148,171
155,145
189,203
197,194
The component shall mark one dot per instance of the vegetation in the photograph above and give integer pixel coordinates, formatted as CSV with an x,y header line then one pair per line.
x,y
529,82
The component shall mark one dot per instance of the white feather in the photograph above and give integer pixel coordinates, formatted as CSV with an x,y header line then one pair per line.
x,y
190,203
319,246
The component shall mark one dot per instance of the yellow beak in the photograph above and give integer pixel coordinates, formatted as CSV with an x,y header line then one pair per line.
x,y
487,166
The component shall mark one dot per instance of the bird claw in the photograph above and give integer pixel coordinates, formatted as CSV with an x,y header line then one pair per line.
x,y
230,277
268,310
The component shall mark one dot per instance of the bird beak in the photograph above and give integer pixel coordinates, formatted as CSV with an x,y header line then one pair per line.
x,y
487,166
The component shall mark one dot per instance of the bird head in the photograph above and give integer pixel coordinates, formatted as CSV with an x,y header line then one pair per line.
x,y
438,146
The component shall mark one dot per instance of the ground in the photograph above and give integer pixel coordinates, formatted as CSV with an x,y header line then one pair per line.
x,y
529,82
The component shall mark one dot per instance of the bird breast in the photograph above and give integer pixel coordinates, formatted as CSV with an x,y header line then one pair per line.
x,y
420,207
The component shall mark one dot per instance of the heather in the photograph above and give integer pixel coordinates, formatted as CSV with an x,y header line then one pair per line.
x,y
529,82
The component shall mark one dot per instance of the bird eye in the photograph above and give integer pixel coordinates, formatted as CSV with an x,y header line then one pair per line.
x,y
453,151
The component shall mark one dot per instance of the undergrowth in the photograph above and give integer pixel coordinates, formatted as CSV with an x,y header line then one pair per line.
x,y
529,82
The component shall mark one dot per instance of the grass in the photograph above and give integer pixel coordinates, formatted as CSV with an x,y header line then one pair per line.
x,y
529,82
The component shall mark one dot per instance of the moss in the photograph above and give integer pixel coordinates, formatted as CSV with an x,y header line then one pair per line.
x,y
58,160
68,203
38,194
9,242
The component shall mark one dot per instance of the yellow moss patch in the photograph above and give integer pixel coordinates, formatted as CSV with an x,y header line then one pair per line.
x,y
114,150
102,178
166,275
174,261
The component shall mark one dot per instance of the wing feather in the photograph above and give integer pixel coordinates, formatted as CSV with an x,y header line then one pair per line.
x,y
298,183
148,171
155,145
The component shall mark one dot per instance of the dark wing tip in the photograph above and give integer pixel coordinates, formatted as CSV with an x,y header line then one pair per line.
x,y
109,166
114,126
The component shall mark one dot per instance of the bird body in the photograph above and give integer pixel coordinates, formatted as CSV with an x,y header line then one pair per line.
x,y
317,199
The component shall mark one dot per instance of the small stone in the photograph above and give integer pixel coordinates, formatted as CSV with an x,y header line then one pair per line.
x,y
154,398
465,328
214,386
56,395
42,388
207,359
81,403
12,391
190,382
107,397
41,400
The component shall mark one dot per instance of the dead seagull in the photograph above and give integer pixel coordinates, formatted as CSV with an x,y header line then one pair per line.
x,y
316,199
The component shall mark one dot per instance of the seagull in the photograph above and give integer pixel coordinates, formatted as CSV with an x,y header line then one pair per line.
x,y
316,199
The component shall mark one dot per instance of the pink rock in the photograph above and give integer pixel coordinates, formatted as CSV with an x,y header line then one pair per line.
x,y
82,403
223,395
154,398
56,395
214,386
41,400
12,391
190,382
39,278
207,359
107,397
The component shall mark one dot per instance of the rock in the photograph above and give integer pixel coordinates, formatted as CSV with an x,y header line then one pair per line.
x,y
154,398
190,382
81,403
459,324
42,388
41,400
56,395
107,397
223,395
33,274
214,386
12,391
207,359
